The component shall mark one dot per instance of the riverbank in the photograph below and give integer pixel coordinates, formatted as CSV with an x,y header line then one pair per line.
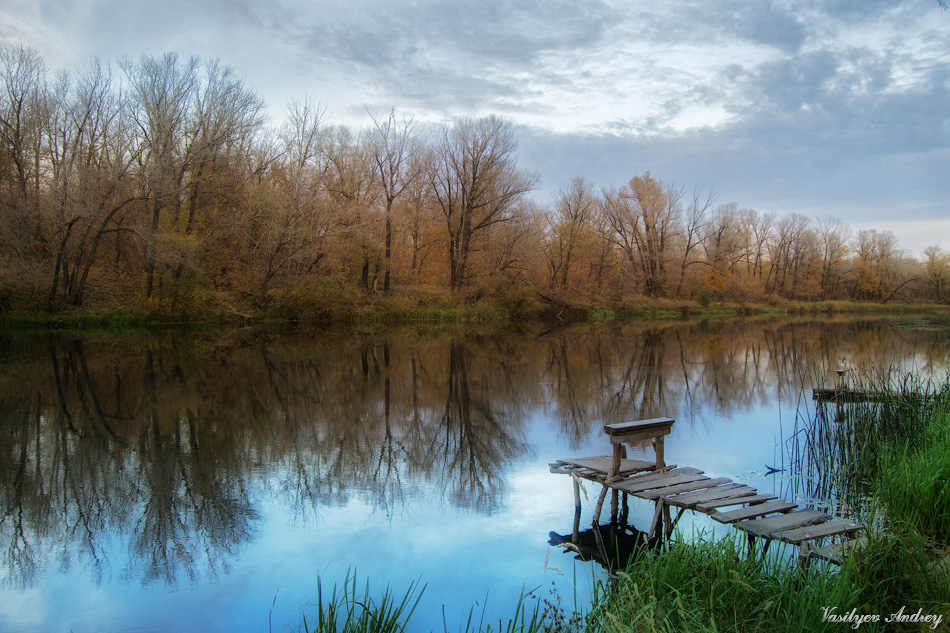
x,y
425,307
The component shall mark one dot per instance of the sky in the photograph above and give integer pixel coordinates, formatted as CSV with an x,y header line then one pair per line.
x,y
826,108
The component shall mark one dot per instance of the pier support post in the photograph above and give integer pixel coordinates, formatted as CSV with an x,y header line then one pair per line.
x,y
575,536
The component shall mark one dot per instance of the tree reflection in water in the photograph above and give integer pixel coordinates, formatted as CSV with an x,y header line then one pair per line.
x,y
171,443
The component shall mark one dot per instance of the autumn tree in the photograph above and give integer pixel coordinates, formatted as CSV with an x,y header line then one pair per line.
x,y
391,145
937,271
289,221
191,118
694,231
24,96
785,253
568,230
162,90
879,267
833,236
645,217
92,151
476,183
226,118
350,184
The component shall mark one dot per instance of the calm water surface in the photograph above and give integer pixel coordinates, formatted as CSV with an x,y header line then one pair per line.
x,y
202,481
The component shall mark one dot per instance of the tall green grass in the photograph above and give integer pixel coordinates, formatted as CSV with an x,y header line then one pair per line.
x,y
352,609
914,486
707,585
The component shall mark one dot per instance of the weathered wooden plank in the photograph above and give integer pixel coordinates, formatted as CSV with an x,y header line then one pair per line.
x,y
767,527
837,552
602,464
829,528
751,512
636,484
622,428
689,499
664,473
672,490
749,497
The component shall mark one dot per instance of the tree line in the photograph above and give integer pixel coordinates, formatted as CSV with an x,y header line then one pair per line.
x,y
161,183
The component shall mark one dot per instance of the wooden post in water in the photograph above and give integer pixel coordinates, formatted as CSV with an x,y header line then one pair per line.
x,y
575,535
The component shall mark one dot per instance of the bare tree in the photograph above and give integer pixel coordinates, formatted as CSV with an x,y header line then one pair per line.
x,y
392,145
645,217
23,99
833,236
476,182
225,119
694,226
92,152
289,219
162,91
568,229
350,183
937,270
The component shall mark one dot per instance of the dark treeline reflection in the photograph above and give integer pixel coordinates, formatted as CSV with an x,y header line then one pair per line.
x,y
169,443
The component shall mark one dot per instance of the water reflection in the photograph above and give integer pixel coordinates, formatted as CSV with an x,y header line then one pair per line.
x,y
150,457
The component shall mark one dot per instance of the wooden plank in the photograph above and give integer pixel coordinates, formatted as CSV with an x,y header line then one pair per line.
x,y
767,527
829,528
622,428
689,499
635,484
672,490
734,501
602,464
837,552
753,511
665,473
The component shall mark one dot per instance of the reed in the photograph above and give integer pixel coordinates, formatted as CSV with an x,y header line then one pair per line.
x,y
839,455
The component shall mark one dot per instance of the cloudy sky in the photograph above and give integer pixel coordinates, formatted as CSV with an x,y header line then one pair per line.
x,y
821,107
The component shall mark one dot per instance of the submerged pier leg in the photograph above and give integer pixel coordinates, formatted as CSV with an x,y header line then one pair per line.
x,y
575,536
624,511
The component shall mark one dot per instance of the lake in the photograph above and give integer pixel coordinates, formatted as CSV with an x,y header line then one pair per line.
x,y
202,480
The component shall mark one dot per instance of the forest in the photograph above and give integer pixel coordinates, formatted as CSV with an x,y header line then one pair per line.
x,y
160,185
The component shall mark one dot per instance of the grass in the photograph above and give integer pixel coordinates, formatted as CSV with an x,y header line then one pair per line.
x,y
351,609
916,487
713,585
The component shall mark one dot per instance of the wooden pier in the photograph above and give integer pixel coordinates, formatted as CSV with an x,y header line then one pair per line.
x,y
760,516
